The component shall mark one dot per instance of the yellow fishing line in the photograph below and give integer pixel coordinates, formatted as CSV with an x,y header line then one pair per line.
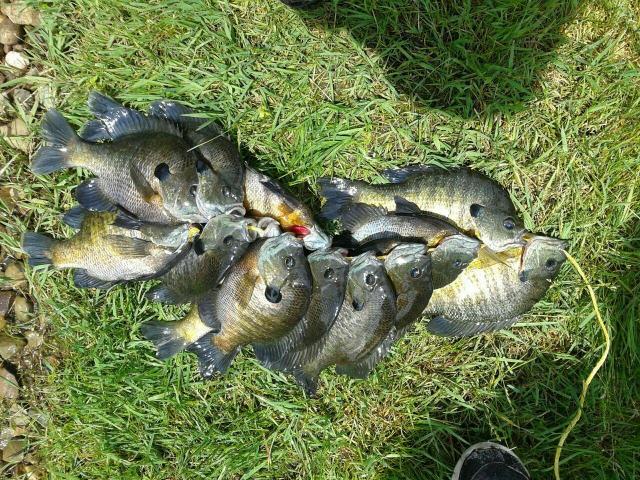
x,y
587,382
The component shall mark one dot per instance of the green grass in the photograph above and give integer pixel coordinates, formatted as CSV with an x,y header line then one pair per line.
x,y
543,96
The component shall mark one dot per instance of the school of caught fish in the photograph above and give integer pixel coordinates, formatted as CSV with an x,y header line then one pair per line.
x,y
171,200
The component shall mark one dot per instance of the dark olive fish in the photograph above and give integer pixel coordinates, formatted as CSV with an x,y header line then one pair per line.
x,y
491,295
220,244
221,176
142,163
365,319
364,224
329,269
451,257
471,201
263,197
262,298
110,248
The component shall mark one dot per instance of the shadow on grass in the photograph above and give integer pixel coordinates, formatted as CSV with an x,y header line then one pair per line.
x,y
460,56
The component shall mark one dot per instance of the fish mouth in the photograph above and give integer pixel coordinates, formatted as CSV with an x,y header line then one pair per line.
x,y
273,294
316,239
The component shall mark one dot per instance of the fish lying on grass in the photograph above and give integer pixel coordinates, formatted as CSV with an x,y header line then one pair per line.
x,y
142,163
329,270
365,319
266,198
471,201
364,223
263,297
221,243
110,248
451,257
220,180
409,269
490,295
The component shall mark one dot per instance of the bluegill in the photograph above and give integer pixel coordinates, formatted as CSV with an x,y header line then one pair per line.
x,y
142,163
263,297
329,269
221,177
362,224
264,197
365,319
221,243
471,201
110,248
451,257
490,295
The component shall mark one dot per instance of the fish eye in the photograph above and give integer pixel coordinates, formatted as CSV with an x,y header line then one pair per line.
x,y
551,263
328,273
192,190
370,279
289,261
227,240
509,223
201,166
162,171
226,191
415,272
457,263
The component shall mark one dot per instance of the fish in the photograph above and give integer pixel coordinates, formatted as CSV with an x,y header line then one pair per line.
x,y
223,240
473,202
262,298
221,176
329,270
363,223
365,319
141,163
264,197
490,295
171,338
451,257
110,248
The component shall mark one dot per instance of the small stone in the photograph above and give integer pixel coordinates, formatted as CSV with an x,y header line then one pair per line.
x,y
19,416
7,197
34,340
22,309
16,134
23,98
14,271
9,32
6,301
10,346
14,451
46,96
16,60
8,386
21,14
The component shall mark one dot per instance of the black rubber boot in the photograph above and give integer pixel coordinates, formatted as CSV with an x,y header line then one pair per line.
x,y
489,461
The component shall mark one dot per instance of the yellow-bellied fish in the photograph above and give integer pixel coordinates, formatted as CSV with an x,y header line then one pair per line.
x,y
490,295
262,298
142,163
264,197
220,179
471,201
110,248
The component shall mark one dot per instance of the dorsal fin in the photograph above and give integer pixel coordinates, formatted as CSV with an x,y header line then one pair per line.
x,y
399,175
405,207
359,214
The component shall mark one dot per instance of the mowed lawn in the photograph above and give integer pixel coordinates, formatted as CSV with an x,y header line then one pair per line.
x,y
543,96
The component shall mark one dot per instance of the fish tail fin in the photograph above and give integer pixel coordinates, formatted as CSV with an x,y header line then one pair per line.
x,y
165,337
162,294
100,104
210,357
309,383
75,216
38,248
359,214
338,193
61,138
